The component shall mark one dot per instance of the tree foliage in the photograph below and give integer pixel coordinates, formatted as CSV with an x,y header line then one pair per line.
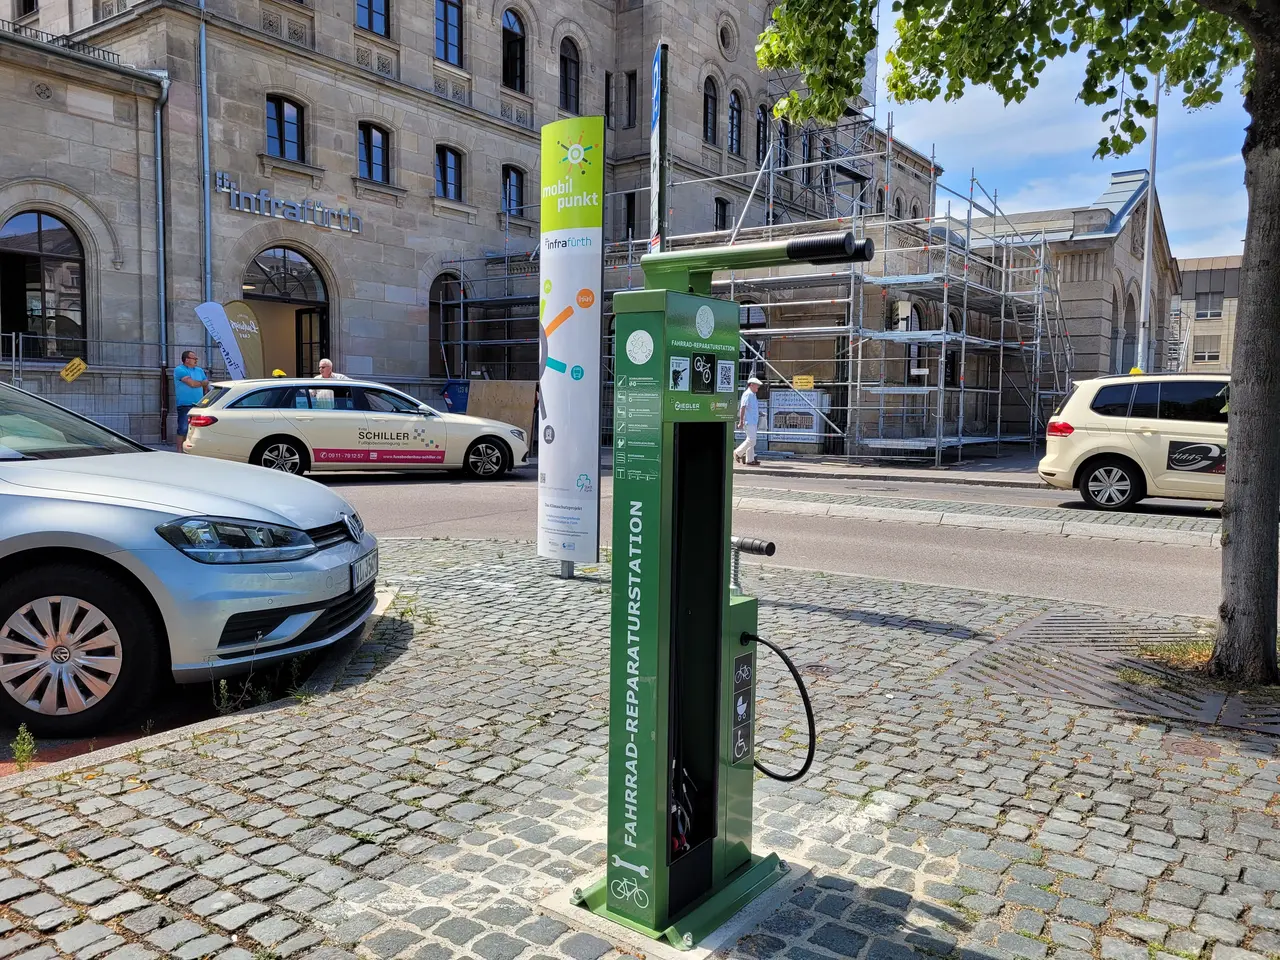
x,y
943,46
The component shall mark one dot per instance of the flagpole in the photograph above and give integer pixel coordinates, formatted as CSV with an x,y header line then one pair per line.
x,y
1144,314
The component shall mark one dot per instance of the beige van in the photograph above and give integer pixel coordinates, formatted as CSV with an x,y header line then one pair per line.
x,y
1119,439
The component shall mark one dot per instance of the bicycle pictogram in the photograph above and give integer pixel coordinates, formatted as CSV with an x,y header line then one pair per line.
x,y
742,674
625,888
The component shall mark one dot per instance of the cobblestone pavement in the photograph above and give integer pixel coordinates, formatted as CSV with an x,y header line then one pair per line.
x,y
1165,521
455,777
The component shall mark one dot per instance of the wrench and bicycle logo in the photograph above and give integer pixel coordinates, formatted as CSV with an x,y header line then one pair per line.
x,y
624,888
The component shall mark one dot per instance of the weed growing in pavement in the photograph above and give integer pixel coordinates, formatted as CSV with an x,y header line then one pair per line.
x,y
23,747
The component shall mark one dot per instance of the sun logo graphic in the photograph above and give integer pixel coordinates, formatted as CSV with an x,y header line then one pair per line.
x,y
579,153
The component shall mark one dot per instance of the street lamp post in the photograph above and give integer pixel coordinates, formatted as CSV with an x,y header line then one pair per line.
x,y
1144,313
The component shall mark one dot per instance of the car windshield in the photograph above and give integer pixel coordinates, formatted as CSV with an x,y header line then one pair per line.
x,y
32,429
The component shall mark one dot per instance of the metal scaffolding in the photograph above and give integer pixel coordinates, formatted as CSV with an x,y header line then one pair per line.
x,y
952,337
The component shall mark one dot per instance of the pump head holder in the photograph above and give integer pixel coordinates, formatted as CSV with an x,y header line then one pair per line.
x,y
690,271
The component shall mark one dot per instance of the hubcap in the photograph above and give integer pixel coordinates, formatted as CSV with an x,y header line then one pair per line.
x,y
1110,486
58,655
281,456
486,459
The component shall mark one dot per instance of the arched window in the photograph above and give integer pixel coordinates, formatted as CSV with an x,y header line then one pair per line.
x,y
286,132
570,81
915,209
513,51
762,134
281,273
448,173
513,191
42,286
449,31
784,146
710,111
375,153
897,208
735,123
444,329
880,199
806,156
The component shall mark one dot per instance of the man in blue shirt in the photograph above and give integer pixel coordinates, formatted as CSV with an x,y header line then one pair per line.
x,y
189,382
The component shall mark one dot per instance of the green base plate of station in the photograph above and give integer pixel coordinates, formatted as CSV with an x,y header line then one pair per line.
x,y
707,914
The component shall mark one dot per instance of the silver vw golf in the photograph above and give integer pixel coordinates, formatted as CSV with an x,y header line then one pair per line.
x,y
118,563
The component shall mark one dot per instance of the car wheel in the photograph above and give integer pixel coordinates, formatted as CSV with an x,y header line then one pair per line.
x,y
486,459
281,453
1111,485
78,650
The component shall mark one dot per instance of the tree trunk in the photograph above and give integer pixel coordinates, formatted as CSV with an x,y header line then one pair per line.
x,y
1245,649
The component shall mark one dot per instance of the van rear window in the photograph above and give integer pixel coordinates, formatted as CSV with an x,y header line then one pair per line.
x,y
1112,401
1062,404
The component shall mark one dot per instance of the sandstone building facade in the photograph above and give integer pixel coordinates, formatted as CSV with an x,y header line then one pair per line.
x,y
331,162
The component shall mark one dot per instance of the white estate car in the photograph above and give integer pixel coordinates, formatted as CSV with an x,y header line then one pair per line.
x,y
118,562
296,425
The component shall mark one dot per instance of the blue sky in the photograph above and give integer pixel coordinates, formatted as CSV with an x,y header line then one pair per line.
x,y
1039,154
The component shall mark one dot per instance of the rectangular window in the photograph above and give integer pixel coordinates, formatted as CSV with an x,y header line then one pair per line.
x,y
374,161
633,95
448,173
1206,349
608,100
27,7
284,130
449,31
371,15
1202,401
631,216
1146,400
1208,306
722,214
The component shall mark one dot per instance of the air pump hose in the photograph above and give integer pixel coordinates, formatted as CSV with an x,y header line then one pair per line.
x,y
808,711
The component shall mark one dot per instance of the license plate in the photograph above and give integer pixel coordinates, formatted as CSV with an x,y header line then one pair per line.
x,y
364,570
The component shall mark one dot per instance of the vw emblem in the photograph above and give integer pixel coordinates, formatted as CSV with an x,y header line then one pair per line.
x,y
354,526
60,654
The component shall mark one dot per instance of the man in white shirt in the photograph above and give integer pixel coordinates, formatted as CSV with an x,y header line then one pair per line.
x,y
328,373
748,423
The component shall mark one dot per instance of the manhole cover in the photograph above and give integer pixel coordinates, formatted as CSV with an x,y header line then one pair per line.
x,y
1088,659
1192,748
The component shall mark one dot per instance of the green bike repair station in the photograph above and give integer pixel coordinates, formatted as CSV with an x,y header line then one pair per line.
x,y
683,644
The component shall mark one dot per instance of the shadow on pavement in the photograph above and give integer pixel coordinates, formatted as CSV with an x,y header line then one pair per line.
x,y
872,618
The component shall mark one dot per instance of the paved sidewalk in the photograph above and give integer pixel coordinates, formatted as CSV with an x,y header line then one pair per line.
x,y
1152,527
1017,468
455,777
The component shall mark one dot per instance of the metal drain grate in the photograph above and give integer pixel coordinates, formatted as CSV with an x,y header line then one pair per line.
x,y
1251,712
1098,632
1087,659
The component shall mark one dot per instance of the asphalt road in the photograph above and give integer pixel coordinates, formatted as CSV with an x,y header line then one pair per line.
x,y
1162,578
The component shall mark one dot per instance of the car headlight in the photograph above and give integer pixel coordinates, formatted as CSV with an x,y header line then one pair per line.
x,y
218,540
518,434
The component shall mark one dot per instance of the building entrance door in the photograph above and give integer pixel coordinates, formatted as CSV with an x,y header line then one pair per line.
x,y
312,325
288,295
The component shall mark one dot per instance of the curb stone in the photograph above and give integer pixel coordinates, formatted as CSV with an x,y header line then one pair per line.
x,y
321,681
1061,528
940,477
